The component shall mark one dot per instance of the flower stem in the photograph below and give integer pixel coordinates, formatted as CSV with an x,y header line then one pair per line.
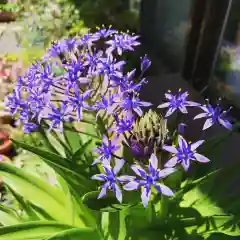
x,y
163,207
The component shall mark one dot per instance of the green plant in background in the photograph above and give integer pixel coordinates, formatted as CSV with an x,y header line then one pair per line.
x,y
116,13
228,60
10,7
45,21
120,173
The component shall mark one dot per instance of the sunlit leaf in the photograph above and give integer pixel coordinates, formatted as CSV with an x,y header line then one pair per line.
x,y
77,234
38,192
37,230
8,216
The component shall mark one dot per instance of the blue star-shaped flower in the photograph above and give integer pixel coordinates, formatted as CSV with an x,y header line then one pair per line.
x,y
77,102
59,115
109,68
214,115
88,39
104,32
111,179
150,179
177,102
124,124
106,104
106,150
132,104
184,153
121,43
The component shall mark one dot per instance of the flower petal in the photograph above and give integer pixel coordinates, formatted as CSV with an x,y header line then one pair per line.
x,y
163,105
192,104
183,109
206,109
133,185
164,190
104,190
182,142
145,196
118,192
84,80
225,123
99,177
118,165
86,94
170,112
145,104
201,115
186,164
139,170
201,158
96,161
209,122
195,145
125,178
170,149
168,96
105,140
139,111
165,172
153,161
172,162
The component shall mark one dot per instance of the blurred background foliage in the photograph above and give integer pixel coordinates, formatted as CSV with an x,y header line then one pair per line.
x,y
44,21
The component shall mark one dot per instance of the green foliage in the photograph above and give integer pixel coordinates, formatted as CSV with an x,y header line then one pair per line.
x,y
116,13
9,7
45,21
69,208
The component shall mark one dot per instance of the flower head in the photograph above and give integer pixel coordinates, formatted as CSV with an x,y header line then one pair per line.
x,y
111,180
106,150
30,127
184,153
214,115
124,124
88,39
77,102
132,104
122,42
59,115
149,179
149,132
177,102
106,103
145,64
104,32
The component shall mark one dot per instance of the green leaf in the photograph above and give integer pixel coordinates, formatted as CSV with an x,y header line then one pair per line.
x,y
32,216
91,200
38,192
8,216
77,155
58,142
77,234
109,203
85,133
42,153
113,225
37,230
75,179
73,140
225,224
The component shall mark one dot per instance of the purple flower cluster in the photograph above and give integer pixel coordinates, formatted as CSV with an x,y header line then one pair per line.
x,y
60,88
213,115
86,75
